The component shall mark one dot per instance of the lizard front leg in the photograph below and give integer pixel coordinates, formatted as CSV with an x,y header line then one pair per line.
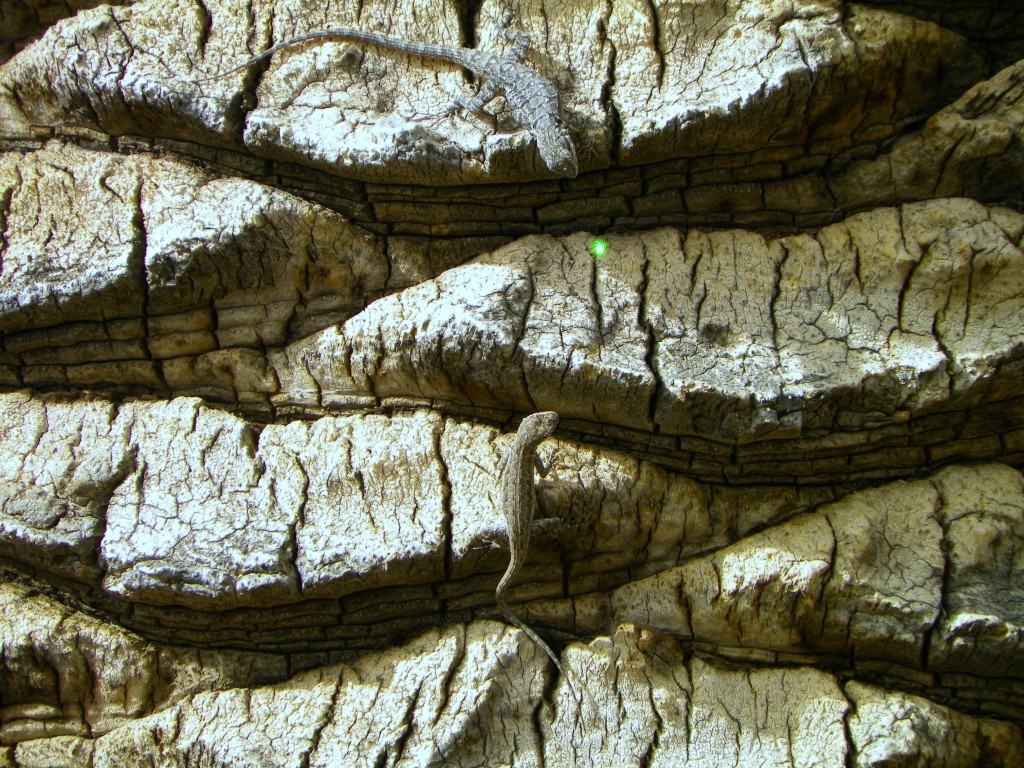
x,y
545,526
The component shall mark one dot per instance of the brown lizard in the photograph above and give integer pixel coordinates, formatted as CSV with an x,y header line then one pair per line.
x,y
518,500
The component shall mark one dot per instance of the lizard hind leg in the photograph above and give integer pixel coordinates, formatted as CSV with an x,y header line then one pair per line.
x,y
520,40
476,103
520,43
470,103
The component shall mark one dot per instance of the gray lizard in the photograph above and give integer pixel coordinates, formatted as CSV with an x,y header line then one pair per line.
x,y
532,97
518,501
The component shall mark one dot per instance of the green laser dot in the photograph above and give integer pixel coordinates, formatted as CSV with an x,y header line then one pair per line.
x,y
599,248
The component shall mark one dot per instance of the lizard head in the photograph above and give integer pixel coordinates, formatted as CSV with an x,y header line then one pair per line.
x,y
540,424
555,146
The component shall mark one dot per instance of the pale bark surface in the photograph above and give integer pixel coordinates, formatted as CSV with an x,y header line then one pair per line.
x,y
264,342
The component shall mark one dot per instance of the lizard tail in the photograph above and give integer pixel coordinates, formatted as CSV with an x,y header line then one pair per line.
x,y
430,50
517,622
266,54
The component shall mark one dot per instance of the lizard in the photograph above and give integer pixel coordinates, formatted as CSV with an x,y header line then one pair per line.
x,y
532,97
518,500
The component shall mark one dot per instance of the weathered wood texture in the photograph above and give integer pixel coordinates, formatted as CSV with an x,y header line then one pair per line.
x,y
265,341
